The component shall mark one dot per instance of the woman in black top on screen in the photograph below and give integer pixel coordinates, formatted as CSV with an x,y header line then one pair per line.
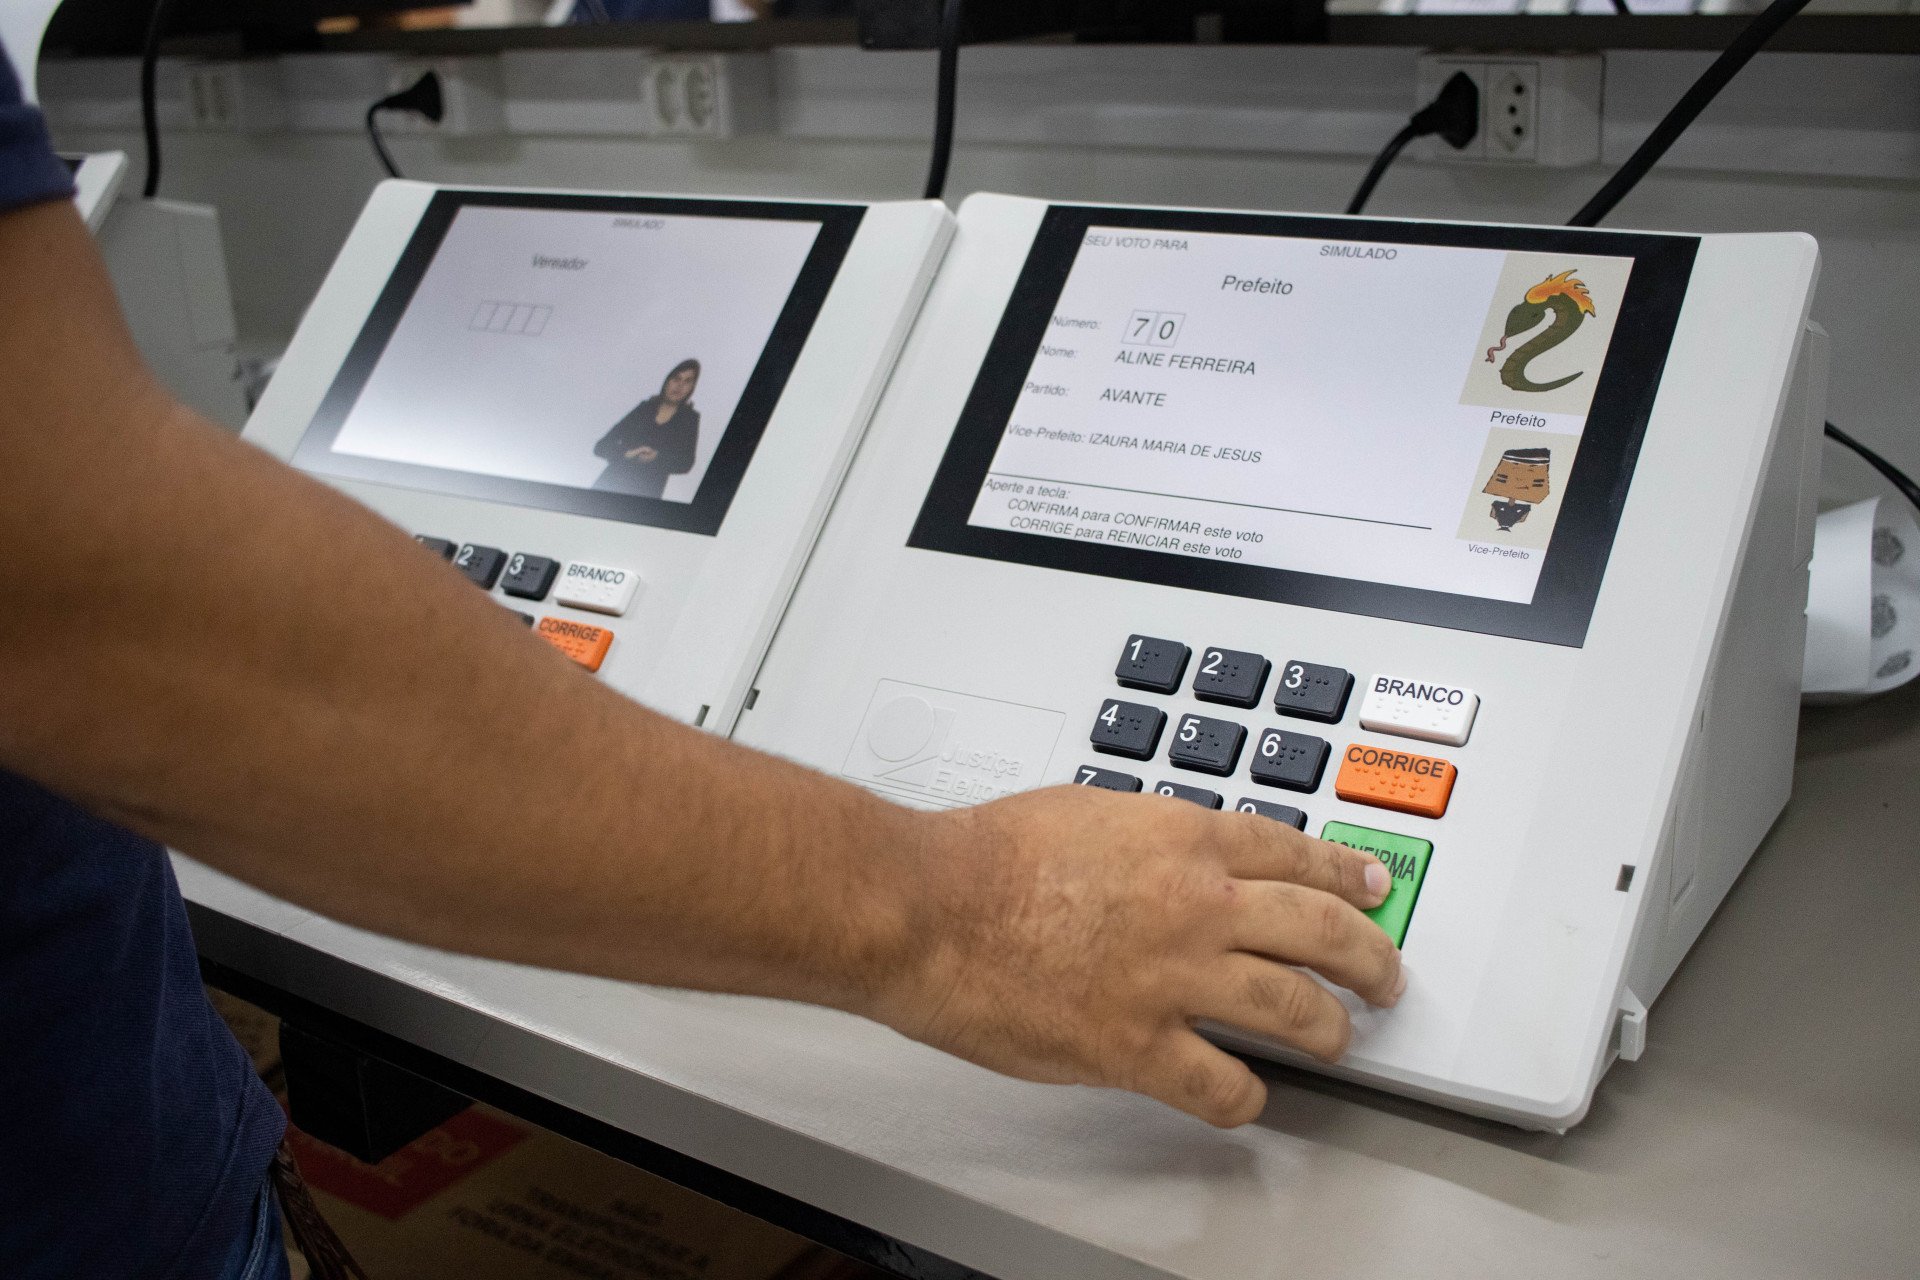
x,y
656,440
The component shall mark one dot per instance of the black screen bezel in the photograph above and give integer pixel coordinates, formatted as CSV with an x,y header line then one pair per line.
x,y
1596,487
708,510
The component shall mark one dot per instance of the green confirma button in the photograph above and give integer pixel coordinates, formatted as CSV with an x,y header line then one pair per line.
x,y
1405,858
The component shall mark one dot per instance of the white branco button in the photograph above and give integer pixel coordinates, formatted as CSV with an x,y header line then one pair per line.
x,y
1423,709
601,588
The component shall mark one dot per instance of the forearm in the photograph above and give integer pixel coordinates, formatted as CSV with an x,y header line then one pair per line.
x,y
262,673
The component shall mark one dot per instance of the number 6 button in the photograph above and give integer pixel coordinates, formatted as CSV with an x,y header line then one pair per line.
x,y
1210,746
1291,760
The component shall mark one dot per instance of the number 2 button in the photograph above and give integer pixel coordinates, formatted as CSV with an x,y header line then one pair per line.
x,y
1230,676
1207,745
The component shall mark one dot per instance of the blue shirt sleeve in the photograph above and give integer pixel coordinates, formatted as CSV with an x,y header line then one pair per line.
x,y
29,171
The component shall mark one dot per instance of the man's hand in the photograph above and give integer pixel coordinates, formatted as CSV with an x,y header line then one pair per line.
x,y
1078,936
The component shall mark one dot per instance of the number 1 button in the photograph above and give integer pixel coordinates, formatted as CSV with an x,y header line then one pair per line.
x,y
1152,664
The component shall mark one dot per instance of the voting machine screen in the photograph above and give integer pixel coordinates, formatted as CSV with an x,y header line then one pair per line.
x,y
623,416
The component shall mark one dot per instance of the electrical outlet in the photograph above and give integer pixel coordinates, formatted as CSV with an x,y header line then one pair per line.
x,y
719,95
470,88
1509,111
235,97
1533,110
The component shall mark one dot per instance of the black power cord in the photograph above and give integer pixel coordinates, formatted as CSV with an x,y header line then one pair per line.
x,y
1454,114
1894,475
945,92
149,108
1703,91
422,97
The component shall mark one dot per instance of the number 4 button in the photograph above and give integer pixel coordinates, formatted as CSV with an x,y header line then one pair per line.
x,y
1127,729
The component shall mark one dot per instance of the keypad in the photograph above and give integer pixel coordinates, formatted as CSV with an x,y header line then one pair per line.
x,y
1152,664
1291,760
529,577
1312,691
1180,791
1230,676
1207,745
1106,779
1278,812
1127,729
1281,758
480,564
583,642
439,546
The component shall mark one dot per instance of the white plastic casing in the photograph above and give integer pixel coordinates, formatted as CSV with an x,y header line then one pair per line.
x,y
1577,767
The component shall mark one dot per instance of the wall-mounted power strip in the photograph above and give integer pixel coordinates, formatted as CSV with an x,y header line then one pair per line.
x,y
1534,110
708,95
235,97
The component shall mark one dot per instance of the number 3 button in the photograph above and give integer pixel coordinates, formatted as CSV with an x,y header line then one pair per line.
x,y
1312,692
1209,746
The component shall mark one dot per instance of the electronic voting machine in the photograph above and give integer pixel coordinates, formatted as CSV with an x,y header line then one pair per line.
x,y
1483,548
623,416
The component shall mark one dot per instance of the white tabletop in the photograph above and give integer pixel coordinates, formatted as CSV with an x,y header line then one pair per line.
x,y
1772,1128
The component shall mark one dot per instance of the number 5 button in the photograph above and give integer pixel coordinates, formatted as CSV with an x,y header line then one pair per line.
x,y
1210,746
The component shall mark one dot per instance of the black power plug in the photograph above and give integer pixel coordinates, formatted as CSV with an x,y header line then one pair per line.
x,y
423,98
1453,115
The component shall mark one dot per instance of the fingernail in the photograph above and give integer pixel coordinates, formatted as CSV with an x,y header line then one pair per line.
x,y
1400,984
1378,881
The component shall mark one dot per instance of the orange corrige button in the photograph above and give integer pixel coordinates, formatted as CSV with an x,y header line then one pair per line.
x,y
1397,780
584,643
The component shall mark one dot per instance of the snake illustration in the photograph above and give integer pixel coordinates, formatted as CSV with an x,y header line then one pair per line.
x,y
1560,298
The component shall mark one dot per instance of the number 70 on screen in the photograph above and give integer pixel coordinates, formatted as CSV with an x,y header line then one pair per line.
x,y
1154,328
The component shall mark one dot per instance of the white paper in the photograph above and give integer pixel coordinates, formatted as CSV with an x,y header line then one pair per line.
x,y
1895,614
1863,602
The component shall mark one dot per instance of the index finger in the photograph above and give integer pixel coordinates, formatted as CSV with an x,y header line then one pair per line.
x,y
1267,850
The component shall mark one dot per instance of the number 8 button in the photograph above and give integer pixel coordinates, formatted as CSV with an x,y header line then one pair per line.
x,y
1210,746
